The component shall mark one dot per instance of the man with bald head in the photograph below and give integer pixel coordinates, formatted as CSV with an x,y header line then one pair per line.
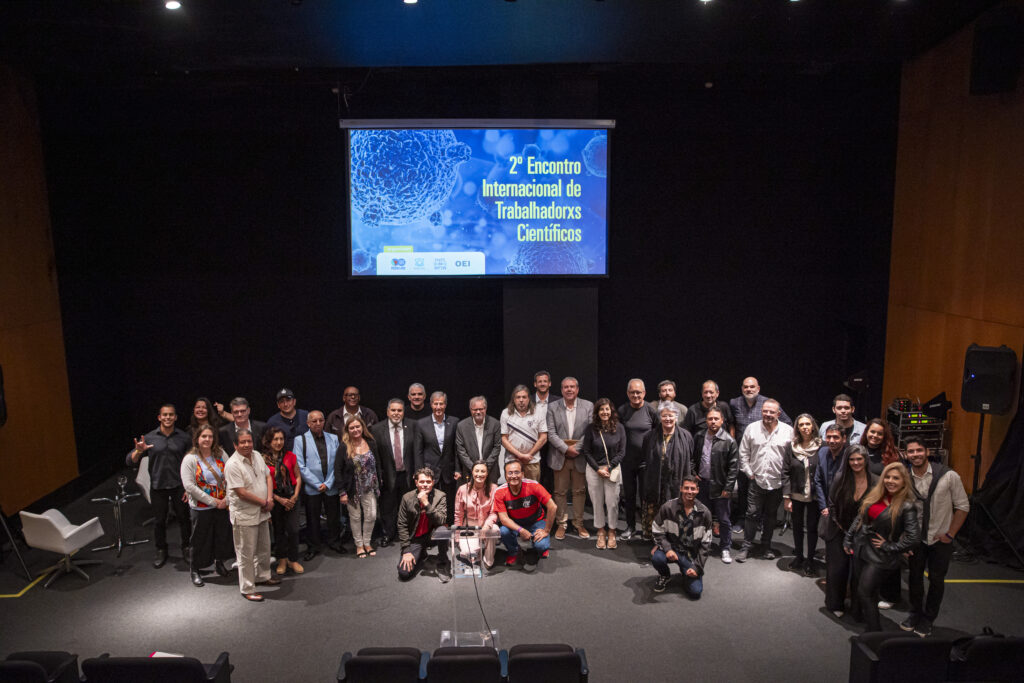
x,y
762,450
695,421
316,451
337,420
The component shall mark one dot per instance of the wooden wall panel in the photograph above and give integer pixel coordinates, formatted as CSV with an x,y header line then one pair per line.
x,y
958,236
37,446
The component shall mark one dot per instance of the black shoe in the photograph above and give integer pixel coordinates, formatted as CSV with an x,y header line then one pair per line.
x,y
384,542
810,571
339,548
769,554
910,623
923,628
797,564
161,558
444,573
661,584
220,568
197,580
529,560
310,554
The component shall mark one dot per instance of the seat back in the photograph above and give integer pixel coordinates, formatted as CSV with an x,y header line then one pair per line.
x,y
45,531
464,665
911,658
543,663
398,664
149,669
55,665
20,671
990,658
142,478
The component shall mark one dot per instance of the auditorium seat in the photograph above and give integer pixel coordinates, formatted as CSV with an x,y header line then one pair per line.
x,y
547,663
465,665
897,657
393,664
39,667
989,658
107,669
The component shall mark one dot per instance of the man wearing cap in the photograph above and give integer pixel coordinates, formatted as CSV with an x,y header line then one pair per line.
x,y
289,418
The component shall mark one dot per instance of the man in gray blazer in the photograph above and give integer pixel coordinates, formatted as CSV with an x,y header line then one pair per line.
x,y
478,437
568,418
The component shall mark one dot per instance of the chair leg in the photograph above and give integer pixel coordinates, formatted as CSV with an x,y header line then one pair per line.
x,y
76,568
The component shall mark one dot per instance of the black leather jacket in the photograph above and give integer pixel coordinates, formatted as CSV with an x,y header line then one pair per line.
x,y
903,525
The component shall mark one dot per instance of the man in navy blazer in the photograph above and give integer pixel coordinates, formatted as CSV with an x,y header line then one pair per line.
x,y
435,447
568,418
396,471
316,451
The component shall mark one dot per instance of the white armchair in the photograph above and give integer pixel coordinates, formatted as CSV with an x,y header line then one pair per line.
x,y
52,531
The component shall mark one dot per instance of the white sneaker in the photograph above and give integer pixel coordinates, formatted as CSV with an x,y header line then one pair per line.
x,y
838,613
884,604
726,557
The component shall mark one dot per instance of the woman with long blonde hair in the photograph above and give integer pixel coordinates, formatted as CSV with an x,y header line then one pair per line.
x,y
886,527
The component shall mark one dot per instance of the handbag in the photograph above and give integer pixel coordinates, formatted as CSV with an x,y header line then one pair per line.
x,y
614,473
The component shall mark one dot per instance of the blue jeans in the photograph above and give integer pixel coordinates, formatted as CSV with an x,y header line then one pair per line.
x,y
724,525
693,586
510,539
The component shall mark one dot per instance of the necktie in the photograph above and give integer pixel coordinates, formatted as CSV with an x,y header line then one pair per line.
x,y
397,447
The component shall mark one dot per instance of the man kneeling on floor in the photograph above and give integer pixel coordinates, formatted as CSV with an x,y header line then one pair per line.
x,y
420,512
682,532
527,512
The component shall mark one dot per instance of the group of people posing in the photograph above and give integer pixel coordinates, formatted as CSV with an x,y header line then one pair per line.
x,y
682,474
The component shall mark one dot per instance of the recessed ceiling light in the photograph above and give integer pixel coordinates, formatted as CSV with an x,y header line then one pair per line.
x,y
410,2
172,4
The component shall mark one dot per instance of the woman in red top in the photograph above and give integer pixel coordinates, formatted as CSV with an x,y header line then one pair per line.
x,y
885,528
284,469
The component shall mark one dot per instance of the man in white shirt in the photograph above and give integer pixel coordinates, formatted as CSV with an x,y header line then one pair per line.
x,y
250,500
761,459
524,431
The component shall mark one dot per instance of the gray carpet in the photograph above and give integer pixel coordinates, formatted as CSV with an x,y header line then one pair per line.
x,y
755,622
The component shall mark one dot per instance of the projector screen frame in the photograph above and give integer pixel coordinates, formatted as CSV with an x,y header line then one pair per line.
x,y
349,125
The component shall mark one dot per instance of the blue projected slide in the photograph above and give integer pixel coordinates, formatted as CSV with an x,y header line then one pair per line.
x,y
449,198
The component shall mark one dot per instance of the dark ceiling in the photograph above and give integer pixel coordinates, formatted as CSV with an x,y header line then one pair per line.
x,y
125,39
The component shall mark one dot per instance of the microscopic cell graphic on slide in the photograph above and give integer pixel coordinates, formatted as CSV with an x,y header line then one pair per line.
x,y
403,176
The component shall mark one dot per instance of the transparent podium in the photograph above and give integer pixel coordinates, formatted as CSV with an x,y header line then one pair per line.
x,y
468,588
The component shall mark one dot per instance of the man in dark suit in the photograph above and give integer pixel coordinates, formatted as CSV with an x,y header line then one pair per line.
x,y
478,438
396,448
240,414
435,447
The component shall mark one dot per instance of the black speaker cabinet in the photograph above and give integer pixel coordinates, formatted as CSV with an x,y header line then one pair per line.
x,y
988,379
997,50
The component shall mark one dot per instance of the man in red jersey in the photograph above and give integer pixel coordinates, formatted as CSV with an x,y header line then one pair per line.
x,y
527,513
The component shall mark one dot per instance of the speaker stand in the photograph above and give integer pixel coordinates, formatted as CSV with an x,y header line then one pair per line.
x,y
969,553
14,546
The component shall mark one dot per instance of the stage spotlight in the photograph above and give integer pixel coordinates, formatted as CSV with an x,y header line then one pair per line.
x,y
410,2
172,4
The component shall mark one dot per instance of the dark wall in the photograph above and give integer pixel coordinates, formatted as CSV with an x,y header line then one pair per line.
x,y
199,226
